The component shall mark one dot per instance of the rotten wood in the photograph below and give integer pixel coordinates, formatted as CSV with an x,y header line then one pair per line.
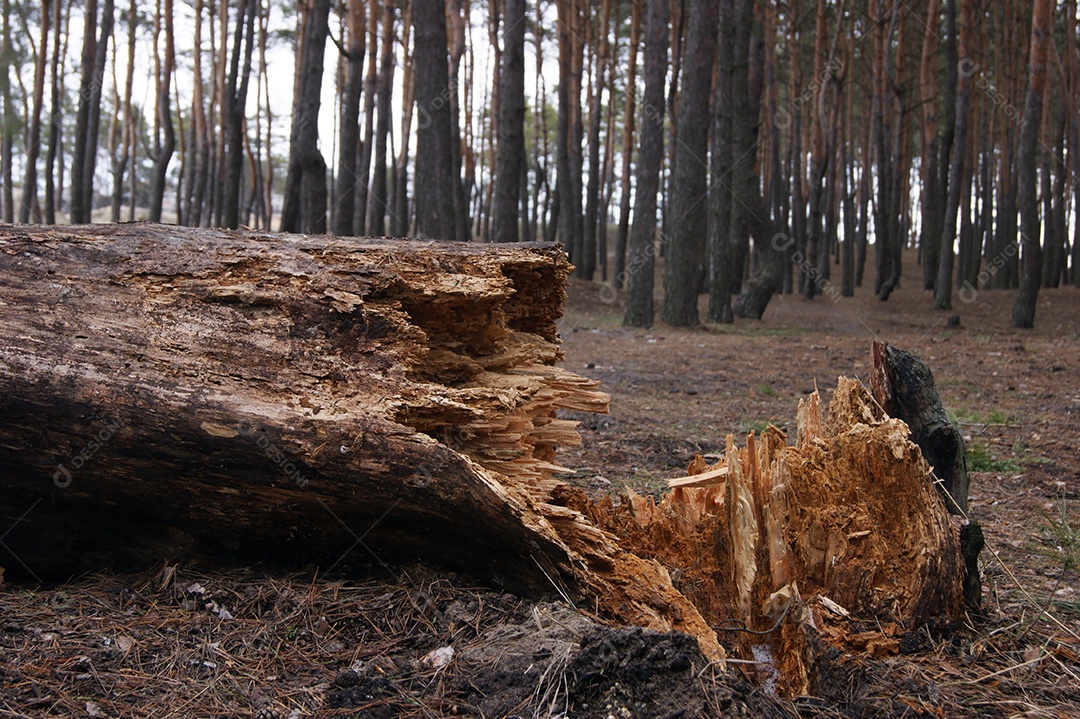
x,y
846,521
172,393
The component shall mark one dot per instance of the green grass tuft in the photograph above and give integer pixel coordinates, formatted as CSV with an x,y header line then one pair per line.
x,y
979,459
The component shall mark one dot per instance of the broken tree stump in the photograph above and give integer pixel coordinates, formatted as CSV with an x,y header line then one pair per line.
x,y
170,393
781,546
904,386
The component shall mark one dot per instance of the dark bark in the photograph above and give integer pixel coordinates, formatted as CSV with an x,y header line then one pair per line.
x,y
352,62
122,158
819,161
33,133
689,208
236,90
55,117
798,176
378,198
434,158
399,203
720,195
883,243
80,213
749,206
363,165
594,185
847,192
948,134
1023,312
568,160
164,150
642,249
7,130
957,171
510,147
304,205
930,239
622,232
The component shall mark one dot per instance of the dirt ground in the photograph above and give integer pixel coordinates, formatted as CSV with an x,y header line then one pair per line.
x,y
180,642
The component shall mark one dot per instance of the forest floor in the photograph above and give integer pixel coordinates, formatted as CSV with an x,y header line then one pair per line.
x,y
182,642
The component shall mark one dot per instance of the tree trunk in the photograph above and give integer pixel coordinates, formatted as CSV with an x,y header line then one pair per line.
x,y
883,243
510,147
33,133
56,93
399,205
435,216
689,207
592,191
80,213
304,208
363,163
349,121
318,418
642,249
568,141
750,206
798,176
123,158
1072,107
164,152
236,90
629,124
1023,313
958,175
378,198
818,159
720,195
930,241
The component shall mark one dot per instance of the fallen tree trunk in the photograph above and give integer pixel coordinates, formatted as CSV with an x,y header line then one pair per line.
x,y
175,393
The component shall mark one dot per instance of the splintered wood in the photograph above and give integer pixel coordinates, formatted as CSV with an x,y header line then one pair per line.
x,y
780,546
231,397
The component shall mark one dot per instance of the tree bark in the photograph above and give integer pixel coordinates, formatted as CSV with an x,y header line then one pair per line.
x,y
33,133
290,400
510,147
80,213
958,175
629,124
236,90
568,159
592,190
930,241
349,123
689,207
378,199
399,203
749,206
55,102
164,151
720,194
883,243
642,250
1023,312
435,216
304,207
